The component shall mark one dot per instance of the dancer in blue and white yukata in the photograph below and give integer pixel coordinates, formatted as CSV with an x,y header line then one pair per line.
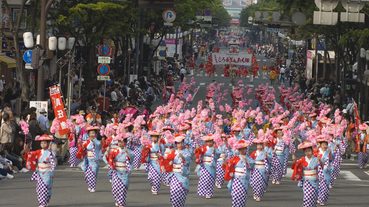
x,y
206,159
324,170
223,150
43,163
259,174
90,152
278,157
237,172
305,170
76,139
180,159
120,161
151,155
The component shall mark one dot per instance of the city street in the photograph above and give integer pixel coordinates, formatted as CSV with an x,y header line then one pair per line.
x,y
70,190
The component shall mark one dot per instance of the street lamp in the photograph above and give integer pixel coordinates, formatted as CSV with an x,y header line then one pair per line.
x,y
61,44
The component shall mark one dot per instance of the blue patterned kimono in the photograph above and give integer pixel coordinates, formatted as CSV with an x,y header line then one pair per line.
x,y
324,175
206,172
259,174
90,164
179,182
153,167
309,182
223,150
238,185
43,176
278,160
120,175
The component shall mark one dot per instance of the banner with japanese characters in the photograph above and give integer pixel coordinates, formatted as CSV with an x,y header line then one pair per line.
x,y
58,107
242,59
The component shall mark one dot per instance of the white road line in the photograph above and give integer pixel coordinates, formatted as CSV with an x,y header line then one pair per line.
x,y
349,164
202,84
197,90
366,172
348,175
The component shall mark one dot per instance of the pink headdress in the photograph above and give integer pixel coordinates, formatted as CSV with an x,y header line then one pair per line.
x,y
228,108
259,118
24,127
55,126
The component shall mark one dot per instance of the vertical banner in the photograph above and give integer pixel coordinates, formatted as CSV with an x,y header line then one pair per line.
x,y
58,107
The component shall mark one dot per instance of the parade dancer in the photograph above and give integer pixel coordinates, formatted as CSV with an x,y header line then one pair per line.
x,y
337,159
179,161
278,158
138,131
120,161
43,163
75,139
151,155
223,150
362,145
167,133
237,172
324,170
305,171
259,174
90,152
206,159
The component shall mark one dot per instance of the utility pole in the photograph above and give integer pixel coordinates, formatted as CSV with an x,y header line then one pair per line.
x,y
45,6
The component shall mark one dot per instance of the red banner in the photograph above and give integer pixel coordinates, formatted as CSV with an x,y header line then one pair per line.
x,y
58,107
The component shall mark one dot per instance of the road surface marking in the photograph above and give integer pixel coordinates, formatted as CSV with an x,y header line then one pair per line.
x,y
348,175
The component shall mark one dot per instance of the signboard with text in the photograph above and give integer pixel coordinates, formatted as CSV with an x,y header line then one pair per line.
x,y
242,58
58,107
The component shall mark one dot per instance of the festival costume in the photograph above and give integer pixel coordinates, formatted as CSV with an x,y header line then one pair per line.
x,y
237,172
305,171
219,180
259,174
278,161
43,163
206,159
74,141
151,155
362,147
90,152
120,161
177,163
324,175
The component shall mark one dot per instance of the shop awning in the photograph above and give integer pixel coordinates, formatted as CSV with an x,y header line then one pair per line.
x,y
10,62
